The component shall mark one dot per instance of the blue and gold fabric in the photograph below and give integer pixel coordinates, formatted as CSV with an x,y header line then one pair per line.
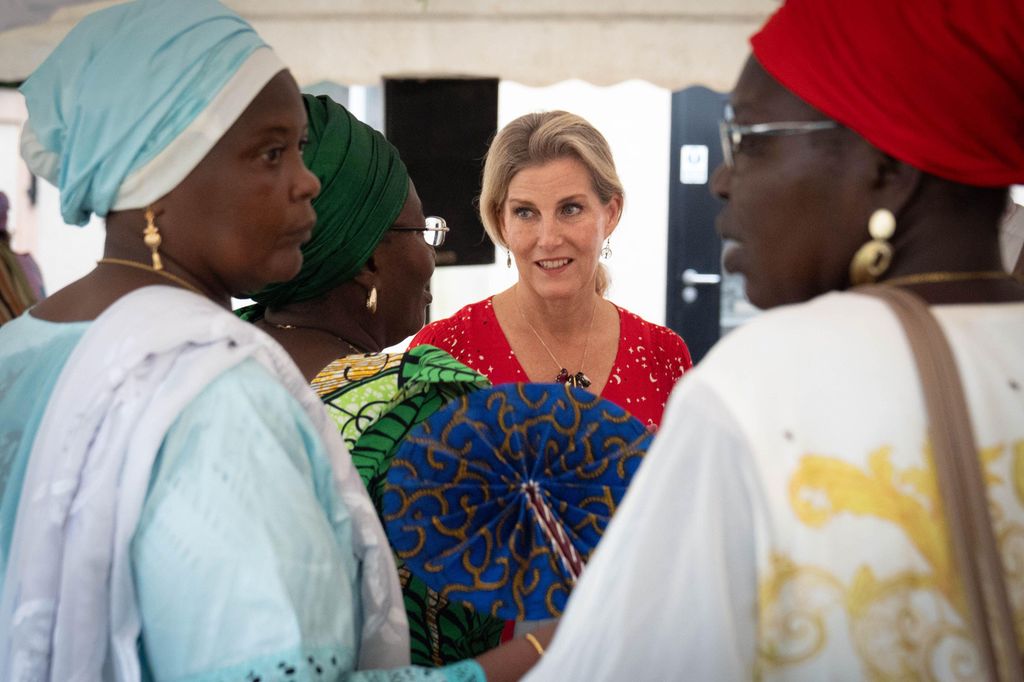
x,y
499,498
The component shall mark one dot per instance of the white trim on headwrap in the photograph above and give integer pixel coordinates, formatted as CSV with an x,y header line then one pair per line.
x,y
40,160
166,170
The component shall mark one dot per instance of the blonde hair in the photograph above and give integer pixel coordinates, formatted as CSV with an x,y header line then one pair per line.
x,y
536,139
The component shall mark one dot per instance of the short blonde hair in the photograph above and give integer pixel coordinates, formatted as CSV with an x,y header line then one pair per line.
x,y
536,139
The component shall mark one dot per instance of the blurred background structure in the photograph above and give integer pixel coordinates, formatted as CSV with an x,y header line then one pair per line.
x,y
650,74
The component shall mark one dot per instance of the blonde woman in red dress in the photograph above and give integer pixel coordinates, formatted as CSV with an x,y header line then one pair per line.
x,y
551,198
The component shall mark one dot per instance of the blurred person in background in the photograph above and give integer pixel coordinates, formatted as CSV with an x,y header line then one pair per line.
x,y
21,283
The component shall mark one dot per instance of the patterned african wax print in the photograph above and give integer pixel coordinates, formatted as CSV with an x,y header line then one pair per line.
x,y
499,498
649,361
375,399
786,523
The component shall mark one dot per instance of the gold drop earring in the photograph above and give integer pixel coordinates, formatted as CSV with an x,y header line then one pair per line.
x,y
151,238
874,258
371,300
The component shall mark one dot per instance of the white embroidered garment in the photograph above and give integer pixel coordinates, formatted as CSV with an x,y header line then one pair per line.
x,y
786,523
69,610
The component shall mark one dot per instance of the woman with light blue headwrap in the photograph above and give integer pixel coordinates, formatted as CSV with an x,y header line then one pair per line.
x,y
174,503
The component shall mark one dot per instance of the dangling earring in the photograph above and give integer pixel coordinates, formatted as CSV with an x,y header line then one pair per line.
x,y
371,300
508,259
606,251
151,238
873,259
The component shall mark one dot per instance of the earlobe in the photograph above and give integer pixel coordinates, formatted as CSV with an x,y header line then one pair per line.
x,y
614,206
367,275
501,226
896,182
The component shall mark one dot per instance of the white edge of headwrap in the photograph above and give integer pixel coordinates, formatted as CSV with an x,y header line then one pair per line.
x,y
166,170
39,159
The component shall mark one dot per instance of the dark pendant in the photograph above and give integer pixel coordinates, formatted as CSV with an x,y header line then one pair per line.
x,y
579,379
563,376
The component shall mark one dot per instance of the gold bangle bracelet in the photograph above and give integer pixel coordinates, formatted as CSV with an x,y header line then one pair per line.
x,y
534,642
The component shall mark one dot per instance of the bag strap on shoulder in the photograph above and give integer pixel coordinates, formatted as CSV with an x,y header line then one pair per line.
x,y
961,484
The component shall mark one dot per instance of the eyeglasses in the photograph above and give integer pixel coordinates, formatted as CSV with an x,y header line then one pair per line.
x,y
732,133
434,230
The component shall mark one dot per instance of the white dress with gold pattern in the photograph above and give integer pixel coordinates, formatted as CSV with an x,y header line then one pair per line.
x,y
786,524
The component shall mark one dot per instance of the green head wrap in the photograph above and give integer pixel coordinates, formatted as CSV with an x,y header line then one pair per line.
x,y
363,187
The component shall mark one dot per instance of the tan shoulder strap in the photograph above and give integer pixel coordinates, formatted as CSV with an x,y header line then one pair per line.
x,y
961,483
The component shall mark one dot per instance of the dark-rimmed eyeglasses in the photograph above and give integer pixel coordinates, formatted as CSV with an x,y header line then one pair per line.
x,y
732,133
434,230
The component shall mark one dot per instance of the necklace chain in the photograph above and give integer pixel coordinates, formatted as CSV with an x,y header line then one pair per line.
x,y
149,268
579,378
352,346
937,277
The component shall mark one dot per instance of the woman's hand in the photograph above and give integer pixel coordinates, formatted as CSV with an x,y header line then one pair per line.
x,y
512,660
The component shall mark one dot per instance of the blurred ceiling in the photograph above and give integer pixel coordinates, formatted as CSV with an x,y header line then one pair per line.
x,y
671,43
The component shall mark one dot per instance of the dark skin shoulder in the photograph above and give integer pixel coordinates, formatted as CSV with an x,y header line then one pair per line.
x,y
310,349
84,299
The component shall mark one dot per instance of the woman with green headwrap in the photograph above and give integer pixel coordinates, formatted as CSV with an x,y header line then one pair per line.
x,y
362,288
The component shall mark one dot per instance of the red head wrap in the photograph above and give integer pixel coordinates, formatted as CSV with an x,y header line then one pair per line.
x,y
938,84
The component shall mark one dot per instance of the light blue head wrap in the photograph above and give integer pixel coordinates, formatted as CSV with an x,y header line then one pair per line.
x,y
135,96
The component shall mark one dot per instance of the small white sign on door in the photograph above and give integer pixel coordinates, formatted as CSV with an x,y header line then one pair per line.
x,y
693,164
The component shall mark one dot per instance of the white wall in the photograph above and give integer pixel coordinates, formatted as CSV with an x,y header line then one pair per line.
x,y
635,118
66,252
14,176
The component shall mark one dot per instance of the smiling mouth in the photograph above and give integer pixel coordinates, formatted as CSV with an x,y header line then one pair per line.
x,y
554,263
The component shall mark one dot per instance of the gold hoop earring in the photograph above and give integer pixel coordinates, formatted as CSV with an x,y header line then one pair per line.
x,y
151,238
606,250
371,300
874,258
508,259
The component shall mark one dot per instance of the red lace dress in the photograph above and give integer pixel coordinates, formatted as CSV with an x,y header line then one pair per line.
x,y
649,361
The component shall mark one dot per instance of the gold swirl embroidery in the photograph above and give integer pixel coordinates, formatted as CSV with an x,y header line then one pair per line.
x,y
792,605
907,625
823,488
1018,470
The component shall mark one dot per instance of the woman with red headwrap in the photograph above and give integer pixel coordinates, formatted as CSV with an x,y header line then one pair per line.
x,y
787,523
